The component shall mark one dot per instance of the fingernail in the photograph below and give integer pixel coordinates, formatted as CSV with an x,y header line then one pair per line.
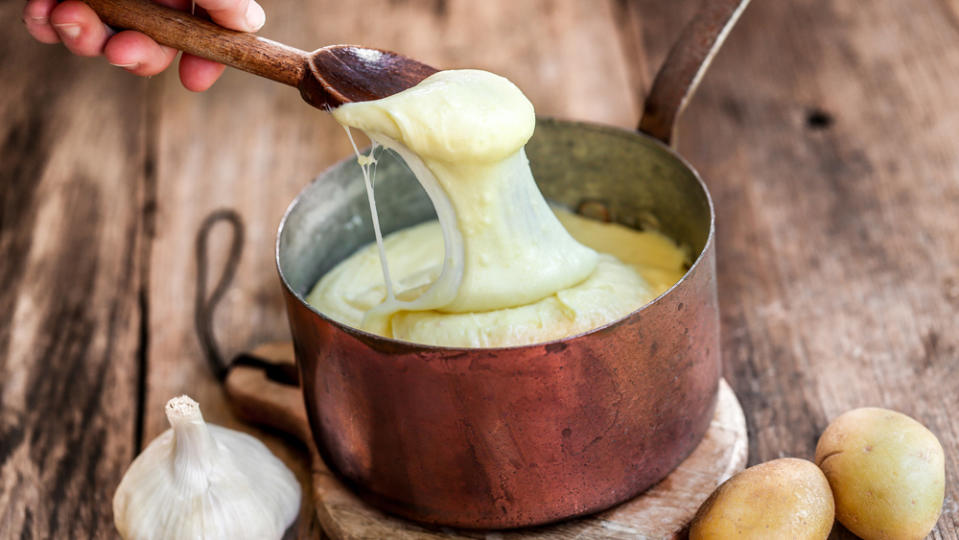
x,y
126,66
70,30
37,20
255,16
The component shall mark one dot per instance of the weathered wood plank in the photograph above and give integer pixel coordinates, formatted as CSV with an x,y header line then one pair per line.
x,y
72,188
828,133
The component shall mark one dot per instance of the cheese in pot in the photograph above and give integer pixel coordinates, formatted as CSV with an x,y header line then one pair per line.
x,y
499,267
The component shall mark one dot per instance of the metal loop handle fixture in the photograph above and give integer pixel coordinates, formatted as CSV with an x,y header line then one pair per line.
x,y
203,305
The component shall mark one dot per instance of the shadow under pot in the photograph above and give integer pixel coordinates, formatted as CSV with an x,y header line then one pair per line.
x,y
517,436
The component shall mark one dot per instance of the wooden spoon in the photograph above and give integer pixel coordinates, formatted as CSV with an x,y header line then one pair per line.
x,y
327,77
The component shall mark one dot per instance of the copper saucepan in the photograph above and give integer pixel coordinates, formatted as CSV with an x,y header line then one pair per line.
x,y
509,437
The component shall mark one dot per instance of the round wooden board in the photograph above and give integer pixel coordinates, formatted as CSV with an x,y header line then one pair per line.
x,y
661,512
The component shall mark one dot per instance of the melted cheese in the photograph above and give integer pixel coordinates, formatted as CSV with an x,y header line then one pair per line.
x,y
498,268
612,291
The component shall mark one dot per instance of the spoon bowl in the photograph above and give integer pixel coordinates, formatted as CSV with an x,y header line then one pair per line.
x,y
341,74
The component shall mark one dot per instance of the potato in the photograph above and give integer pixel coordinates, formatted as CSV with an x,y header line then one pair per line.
x,y
783,498
887,473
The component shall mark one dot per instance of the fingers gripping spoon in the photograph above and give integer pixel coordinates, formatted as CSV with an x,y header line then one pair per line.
x,y
327,77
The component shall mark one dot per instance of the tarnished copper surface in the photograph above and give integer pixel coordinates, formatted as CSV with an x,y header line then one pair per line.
x,y
498,438
520,436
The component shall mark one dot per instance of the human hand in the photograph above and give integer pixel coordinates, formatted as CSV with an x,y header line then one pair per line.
x,y
81,31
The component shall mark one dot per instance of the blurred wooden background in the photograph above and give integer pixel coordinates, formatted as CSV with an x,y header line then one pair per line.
x,y
828,132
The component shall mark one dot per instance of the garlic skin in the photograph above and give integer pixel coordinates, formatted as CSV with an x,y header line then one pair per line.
x,y
204,481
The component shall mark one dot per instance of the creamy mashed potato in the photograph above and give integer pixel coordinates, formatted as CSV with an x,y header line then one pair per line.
x,y
498,268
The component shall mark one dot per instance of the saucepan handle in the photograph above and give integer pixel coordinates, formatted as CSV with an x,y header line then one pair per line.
x,y
685,65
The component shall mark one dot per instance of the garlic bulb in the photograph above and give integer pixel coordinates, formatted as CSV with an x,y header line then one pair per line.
x,y
204,481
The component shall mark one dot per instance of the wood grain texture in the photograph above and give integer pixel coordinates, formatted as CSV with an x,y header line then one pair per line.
x,y
197,138
72,188
828,135
827,131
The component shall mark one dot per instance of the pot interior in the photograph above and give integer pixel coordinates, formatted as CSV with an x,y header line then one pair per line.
x,y
602,172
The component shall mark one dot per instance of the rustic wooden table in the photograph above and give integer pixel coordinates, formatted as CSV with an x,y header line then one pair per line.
x,y
828,132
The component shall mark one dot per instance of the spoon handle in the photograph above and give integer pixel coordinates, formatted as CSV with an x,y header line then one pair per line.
x,y
200,37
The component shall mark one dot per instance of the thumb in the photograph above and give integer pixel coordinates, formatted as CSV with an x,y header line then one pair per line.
x,y
242,15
